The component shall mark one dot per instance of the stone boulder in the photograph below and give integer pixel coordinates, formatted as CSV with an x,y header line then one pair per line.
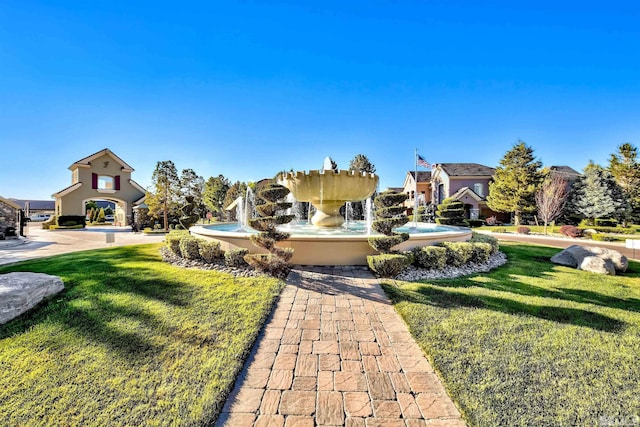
x,y
20,292
592,258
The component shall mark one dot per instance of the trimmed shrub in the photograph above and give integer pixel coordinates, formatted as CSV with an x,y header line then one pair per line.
x,y
51,221
602,237
570,231
383,244
450,212
458,253
269,210
606,222
431,257
472,223
389,215
189,247
270,264
483,238
499,230
235,257
172,241
209,250
411,258
387,265
523,230
481,252
69,220
616,230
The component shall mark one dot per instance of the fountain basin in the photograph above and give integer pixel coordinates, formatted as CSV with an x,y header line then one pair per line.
x,y
328,191
330,246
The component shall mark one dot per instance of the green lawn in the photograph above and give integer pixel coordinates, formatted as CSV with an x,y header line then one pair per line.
x,y
532,343
130,341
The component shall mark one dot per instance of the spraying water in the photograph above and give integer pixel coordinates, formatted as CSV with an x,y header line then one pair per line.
x,y
368,215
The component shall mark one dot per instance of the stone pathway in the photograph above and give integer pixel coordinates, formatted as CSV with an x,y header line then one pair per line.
x,y
335,352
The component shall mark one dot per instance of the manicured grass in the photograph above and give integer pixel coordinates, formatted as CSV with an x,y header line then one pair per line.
x,y
539,229
131,341
531,343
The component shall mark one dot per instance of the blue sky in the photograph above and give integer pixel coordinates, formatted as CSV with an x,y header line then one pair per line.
x,y
246,89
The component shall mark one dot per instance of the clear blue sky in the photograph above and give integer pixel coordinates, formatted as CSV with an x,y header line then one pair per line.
x,y
246,89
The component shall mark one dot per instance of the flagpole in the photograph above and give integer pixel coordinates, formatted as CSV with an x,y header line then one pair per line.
x,y
415,193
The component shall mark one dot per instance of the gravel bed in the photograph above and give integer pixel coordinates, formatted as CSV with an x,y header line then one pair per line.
x,y
217,265
412,273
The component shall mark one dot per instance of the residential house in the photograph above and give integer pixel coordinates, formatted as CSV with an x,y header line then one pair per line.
x,y
101,176
423,189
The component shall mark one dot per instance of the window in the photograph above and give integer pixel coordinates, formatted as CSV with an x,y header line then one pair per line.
x,y
479,189
105,182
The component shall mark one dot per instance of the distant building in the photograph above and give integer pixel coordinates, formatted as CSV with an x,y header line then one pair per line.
x,y
31,207
101,176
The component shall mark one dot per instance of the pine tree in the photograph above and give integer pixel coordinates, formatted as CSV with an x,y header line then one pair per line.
x,y
625,168
164,194
516,182
215,190
191,186
597,195
360,163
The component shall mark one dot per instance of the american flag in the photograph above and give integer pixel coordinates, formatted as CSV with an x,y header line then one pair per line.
x,y
422,162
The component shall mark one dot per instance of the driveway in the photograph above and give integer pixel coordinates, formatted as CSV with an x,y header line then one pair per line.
x,y
41,243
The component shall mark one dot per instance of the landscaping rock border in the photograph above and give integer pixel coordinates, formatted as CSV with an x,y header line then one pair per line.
x,y
173,259
412,273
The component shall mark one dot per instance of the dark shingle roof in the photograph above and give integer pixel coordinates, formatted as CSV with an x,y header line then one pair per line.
x,y
467,169
422,176
566,172
36,204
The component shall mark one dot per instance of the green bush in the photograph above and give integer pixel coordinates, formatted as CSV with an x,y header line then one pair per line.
x,y
481,252
499,230
189,247
606,222
270,264
409,255
483,238
472,223
387,265
602,237
209,250
68,220
51,221
172,241
450,212
385,243
616,230
235,257
430,257
458,253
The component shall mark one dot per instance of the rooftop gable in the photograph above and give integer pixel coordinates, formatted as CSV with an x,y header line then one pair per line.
x,y
86,162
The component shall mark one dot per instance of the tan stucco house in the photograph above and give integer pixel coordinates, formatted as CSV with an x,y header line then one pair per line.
x,y
101,176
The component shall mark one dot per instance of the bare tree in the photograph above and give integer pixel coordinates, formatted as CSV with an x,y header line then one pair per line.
x,y
551,198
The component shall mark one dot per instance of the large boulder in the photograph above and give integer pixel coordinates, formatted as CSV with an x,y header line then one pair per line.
x,y
20,292
592,258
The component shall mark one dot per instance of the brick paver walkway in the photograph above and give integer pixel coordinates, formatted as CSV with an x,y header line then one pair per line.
x,y
335,352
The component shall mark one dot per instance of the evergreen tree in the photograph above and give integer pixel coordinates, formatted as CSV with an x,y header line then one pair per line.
x,y
163,198
625,168
238,189
516,182
361,163
270,209
215,190
192,185
597,195
450,212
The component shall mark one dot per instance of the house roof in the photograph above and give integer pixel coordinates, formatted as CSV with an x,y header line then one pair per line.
x,y
39,205
466,190
9,202
565,172
466,169
86,162
395,189
422,176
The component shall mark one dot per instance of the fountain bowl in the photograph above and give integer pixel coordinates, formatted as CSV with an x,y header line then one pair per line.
x,y
330,246
328,191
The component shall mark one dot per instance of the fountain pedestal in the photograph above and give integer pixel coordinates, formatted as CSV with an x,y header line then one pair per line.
x,y
328,191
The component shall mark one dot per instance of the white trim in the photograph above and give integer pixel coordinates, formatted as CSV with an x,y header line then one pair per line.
x,y
68,190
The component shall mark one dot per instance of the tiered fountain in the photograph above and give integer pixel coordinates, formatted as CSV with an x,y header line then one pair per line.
x,y
328,242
